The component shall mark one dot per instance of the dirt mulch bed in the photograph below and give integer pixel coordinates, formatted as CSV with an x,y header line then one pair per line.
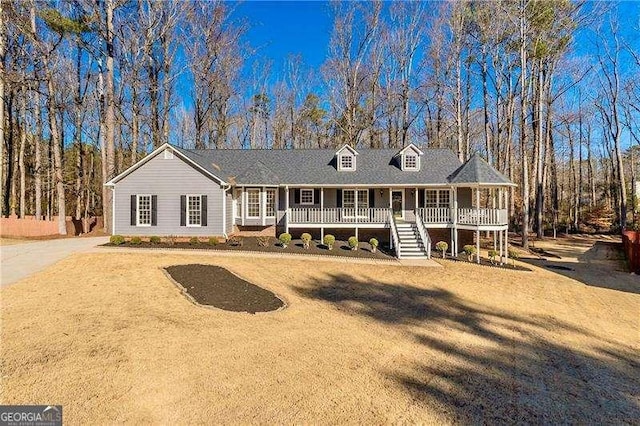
x,y
341,248
218,287
483,262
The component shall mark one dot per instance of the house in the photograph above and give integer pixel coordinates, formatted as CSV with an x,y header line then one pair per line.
x,y
410,198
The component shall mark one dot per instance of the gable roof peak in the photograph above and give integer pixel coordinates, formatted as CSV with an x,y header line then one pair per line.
x,y
347,147
412,147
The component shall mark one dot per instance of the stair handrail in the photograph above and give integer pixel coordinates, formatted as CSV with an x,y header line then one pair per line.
x,y
395,238
424,235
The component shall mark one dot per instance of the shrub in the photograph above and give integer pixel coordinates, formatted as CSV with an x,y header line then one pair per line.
x,y
263,241
171,239
235,241
285,239
136,241
353,243
213,241
492,256
374,244
306,239
513,255
154,240
443,247
116,239
329,241
194,241
469,250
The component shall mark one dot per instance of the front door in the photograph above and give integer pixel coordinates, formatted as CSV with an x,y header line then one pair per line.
x,y
396,203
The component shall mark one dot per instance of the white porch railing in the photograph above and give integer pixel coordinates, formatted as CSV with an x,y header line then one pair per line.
x,y
468,216
435,214
424,234
337,215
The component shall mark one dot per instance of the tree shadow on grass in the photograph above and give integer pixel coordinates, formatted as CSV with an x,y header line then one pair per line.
x,y
602,265
493,365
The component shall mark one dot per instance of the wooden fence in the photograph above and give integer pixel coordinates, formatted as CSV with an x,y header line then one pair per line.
x,y
631,243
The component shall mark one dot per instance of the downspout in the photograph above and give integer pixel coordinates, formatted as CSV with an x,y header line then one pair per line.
x,y
225,188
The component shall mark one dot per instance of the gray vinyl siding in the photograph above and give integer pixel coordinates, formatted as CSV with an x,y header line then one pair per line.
x,y
168,180
465,197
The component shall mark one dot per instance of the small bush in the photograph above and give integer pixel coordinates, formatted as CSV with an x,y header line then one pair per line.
x,y
306,239
136,241
235,241
329,241
116,239
492,256
374,245
353,243
513,255
194,241
263,241
469,250
443,247
285,239
171,239
154,240
213,241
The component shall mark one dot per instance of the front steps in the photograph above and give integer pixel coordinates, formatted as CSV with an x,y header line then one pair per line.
x,y
411,245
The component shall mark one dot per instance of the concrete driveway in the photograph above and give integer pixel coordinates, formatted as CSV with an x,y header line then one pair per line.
x,y
21,260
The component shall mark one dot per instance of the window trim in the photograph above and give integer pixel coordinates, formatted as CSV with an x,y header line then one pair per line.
x,y
356,192
138,196
193,225
313,198
417,162
266,202
353,162
249,190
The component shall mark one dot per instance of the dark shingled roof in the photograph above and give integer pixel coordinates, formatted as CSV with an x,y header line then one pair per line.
x,y
476,170
317,167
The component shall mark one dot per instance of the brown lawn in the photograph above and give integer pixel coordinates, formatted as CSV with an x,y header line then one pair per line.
x,y
109,337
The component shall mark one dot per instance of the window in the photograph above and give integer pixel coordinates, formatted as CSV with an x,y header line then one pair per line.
x,y
306,196
349,200
431,198
443,199
410,162
144,210
437,198
271,202
194,210
253,203
347,162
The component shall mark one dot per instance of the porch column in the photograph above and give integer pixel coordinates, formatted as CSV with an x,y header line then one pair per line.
x,y
243,200
286,210
321,205
322,215
501,248
263,205
477,245
506,245
478,205
416,198
454,220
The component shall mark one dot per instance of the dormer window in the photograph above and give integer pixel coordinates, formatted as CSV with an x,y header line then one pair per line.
x,y
410,162
346,158
347,162
408,158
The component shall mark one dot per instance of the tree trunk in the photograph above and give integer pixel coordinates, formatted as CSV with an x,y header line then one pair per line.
x,y
523,129
57,154
23,143
107,194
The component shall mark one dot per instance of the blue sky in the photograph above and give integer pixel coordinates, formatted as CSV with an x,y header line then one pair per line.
x,y
280,28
